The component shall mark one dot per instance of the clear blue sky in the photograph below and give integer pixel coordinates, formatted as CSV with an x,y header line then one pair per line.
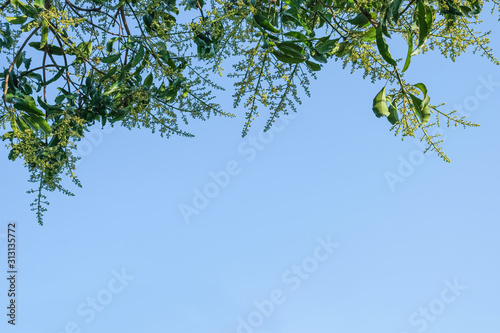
x,y
304,235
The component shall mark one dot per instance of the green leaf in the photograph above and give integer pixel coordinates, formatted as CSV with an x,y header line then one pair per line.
x,y
476,7
319,57
47,107
13,154
109,44
148,21
138,57
410,48
296,35
55,50
383,48
394,7
109,73
57,76
40,4
114,88
20,58
313,66
27,103
35,76
423,89
21,124
54,141
295,4
287,59
290,49
383,24
449,8
44,126
110,59
171,94
264,22
423,112
326,46
17,19
45,33
35,45
424,19
148,81
380,104
27,9
26,62
59,99
393,114
359,20
369,35
31,123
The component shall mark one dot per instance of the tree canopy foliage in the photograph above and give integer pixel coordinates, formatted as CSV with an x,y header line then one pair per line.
x,y
72,64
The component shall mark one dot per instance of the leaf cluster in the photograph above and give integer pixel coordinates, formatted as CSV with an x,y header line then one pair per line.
x,y
73,64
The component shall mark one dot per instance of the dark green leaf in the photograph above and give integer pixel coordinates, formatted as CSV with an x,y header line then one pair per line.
x,y
109,44
296,35
383,48
393,114
326,46
319,57
359,20
424,20
290,49
27,9
264,22
109,73
410,48
138,57
394,7
44,126
423,112
148,81
313,66
286,59
110,59
423,89
450,8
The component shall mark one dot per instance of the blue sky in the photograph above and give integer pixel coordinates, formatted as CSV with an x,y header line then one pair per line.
x,y
300,232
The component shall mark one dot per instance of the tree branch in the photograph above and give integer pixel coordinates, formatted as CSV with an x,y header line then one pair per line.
x,y
5,5
366,14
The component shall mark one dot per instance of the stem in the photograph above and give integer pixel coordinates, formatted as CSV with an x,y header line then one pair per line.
x,y
365,13
411,3
5,5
